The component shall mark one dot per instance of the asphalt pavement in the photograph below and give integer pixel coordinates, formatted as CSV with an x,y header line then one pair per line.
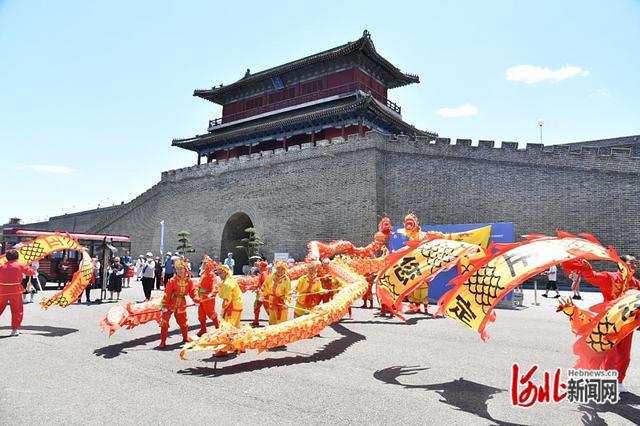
x,y
370,370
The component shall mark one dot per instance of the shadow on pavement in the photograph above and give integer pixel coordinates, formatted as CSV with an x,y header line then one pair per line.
x,y
462,394
329,351
43,330
624,408
390,321
118,349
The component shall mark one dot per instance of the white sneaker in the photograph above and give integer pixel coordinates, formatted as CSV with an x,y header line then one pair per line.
x,y
14,333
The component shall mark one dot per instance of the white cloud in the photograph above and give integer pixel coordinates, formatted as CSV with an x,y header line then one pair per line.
x,y
466,110
531,74
46,168
601,93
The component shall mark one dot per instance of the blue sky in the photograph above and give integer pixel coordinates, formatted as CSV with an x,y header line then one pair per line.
x,y
92,93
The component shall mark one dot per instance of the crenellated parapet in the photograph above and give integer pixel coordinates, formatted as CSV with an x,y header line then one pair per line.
x,y
306,191
269,158
603,159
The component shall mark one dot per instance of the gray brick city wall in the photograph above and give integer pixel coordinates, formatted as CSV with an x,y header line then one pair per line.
x,y
338,189
537,198
293,197
75,222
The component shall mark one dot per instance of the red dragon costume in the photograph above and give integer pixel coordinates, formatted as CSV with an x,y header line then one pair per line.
x,y
612,286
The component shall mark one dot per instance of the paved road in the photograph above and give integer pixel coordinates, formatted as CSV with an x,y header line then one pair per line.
x,y
370,370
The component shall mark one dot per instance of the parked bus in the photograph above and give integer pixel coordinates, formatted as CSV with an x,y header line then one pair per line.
x,y
48,270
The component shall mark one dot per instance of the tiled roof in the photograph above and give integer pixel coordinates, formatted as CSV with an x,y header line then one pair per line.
x,y
314,112
364,44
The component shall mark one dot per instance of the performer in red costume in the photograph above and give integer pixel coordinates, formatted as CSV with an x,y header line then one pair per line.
x,y
11,288
612,286
173,302
327,285
368,296
207,291
260,302
330,285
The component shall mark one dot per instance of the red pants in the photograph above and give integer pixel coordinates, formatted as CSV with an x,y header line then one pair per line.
x,y
181,319
17,310
619,357
256,311
207,309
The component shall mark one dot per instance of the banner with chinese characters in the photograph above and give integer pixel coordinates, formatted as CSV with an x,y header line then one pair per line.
x,y
481,234
477,291
620,318
418,262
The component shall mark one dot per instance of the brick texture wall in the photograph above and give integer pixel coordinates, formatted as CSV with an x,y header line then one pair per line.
x,y
539,191
291,197
73,222
338,189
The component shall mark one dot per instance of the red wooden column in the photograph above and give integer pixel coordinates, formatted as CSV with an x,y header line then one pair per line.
x,y
284,143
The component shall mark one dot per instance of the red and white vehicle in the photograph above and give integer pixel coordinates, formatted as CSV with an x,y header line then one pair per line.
x,y
48,270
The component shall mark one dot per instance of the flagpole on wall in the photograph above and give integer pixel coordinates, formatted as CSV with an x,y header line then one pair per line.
x,y
540,123
161,237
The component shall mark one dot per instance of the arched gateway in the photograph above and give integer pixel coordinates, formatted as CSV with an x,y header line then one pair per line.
x,y
232,235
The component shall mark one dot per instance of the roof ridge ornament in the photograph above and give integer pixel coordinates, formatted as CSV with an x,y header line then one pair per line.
x,y
248,73
366,34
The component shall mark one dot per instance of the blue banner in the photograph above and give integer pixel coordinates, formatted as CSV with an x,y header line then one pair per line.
x,y
501,232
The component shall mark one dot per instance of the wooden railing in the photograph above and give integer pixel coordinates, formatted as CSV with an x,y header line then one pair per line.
x,y
309,97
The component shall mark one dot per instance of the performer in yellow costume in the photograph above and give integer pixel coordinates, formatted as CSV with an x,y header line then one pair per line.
x,y
421,295
309,289
231,299
277,293
231,296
